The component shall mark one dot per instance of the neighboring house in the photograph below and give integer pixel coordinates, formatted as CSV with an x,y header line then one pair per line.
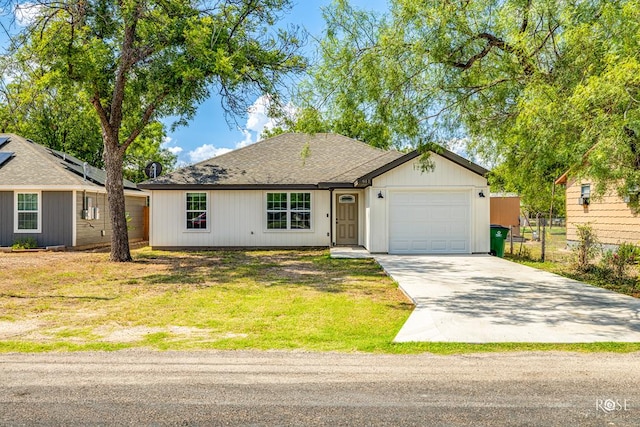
x,y
299,190
57,199
505,211
611,217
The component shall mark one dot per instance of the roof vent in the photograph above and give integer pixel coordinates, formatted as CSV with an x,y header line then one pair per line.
x,y
84,170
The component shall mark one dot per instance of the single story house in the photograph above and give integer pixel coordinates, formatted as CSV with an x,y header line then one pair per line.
x,y
322,190
57,199
610,216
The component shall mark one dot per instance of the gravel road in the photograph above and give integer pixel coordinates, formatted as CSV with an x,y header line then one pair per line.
x,y
296,388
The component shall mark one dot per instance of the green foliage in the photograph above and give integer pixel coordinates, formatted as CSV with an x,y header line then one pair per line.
x,y
25,243
587,248
64,120
138,61
523,254
618,262
534,87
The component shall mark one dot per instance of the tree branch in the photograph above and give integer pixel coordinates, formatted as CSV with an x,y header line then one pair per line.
x,y
144,121
525,18
127,59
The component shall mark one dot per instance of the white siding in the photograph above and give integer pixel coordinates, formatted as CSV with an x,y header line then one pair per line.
x,y
236,218
378,239
447,176
366,196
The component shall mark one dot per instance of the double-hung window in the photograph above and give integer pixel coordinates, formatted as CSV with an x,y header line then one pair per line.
x,y
196,211
28,215
288,211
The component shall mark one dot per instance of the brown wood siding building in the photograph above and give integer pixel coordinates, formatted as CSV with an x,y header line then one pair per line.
x,y
505,211
611,218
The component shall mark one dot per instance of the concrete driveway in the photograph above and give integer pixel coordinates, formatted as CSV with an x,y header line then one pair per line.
x,y
481,299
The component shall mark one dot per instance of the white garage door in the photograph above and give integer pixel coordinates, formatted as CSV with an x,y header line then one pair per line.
x,y
429,222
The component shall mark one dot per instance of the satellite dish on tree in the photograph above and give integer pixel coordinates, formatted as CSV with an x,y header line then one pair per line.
x,y
153,170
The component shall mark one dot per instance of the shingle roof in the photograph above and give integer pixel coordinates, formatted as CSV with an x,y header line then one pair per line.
x,y
40,167
330,160
279,161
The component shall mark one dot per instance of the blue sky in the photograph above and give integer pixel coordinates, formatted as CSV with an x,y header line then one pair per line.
x,y
209,134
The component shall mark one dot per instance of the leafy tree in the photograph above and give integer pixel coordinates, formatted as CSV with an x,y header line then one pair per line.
x,y
64,120
139,60
147,148
538,86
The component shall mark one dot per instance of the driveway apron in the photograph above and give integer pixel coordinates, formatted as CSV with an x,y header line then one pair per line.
x,y
482,299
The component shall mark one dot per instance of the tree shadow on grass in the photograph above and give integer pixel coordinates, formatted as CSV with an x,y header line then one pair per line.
x,y
311,268
88,298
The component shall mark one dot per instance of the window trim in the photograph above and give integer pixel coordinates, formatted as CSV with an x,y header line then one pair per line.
x,y
206,211
585,196
17,212
288,211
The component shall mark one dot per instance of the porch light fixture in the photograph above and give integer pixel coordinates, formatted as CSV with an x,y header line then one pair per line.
x,y
481,194
380,195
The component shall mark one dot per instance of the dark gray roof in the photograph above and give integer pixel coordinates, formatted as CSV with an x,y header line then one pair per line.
x,y
329,160
38,166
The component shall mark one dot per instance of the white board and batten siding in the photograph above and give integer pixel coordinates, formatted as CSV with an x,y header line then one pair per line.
x,y
236,218
428,212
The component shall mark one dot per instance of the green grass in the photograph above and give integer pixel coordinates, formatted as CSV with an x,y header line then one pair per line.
x,y
558,260
244,300
208,300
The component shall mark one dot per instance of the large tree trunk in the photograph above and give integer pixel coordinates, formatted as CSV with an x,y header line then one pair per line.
x,y
113,161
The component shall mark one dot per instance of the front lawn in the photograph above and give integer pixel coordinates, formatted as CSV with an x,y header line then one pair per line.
x,y
204,300
261,300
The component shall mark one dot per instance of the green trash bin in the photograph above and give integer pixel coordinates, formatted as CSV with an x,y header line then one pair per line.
x,y
498,237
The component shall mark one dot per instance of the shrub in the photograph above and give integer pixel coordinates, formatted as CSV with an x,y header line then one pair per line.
x,y
26,243
617,262
588,247
524,254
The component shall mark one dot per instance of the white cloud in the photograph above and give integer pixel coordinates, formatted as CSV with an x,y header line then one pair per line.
x,y
205,152
258,119
248,139
169,145
257,122
26,13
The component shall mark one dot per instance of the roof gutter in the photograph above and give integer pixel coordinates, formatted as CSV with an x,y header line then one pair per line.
x,y
195,186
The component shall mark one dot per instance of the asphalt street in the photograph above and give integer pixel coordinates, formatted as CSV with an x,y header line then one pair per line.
x,y
297,388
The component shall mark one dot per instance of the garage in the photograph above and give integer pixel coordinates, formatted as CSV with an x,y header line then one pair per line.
x,y
429,222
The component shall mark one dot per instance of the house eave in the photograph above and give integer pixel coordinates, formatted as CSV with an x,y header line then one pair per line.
x,y
449,155
563,179
183,187
334,185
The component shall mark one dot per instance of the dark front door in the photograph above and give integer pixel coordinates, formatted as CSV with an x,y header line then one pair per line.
x,y
347,219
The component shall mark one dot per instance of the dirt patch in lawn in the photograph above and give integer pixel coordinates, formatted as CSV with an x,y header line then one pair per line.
x,y
12,330
214,299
